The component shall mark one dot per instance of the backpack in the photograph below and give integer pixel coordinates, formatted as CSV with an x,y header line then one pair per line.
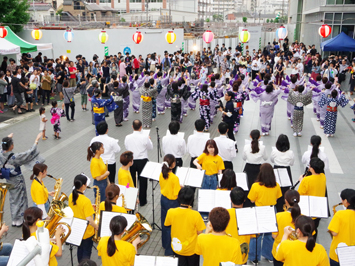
x,y
5,172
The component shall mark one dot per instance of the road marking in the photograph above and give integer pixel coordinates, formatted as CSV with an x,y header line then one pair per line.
x,y
334,165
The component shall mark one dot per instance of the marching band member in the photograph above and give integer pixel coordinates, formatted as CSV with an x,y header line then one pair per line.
x,y
212,163
112,194
83,209
186,224
39,192
314,185
264,192
98,168
342,225
286,218
113,250
215,245
124,175
197,141
139,144
304,250
226,146
174,144
31,216
169,188
316,141
228,180
238,198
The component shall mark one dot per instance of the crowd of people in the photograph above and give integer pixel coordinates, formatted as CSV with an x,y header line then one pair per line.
x,y
213,81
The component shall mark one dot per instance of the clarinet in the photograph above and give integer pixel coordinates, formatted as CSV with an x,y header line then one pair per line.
x,y
306,173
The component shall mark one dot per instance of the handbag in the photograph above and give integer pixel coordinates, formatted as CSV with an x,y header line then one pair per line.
x,y
72,102
5,172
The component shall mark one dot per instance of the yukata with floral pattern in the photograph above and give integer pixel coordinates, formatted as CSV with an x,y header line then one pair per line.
x,y
56,113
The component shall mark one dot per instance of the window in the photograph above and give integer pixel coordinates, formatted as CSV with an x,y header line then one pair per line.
x,y
135,1
337,18
330,2
349,18
335,30
349,2
348,30
118,1
77,6
105,1
328,18
339,2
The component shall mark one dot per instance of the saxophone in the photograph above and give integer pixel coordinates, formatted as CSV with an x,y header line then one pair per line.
x,y
58,196
334,211
124,205
3,190
96,237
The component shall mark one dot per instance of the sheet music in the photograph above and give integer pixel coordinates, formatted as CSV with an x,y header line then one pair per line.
x,y
106,218
146,132
18,253
194,177
144,260
181,173
130,196
152,170
68,221
266,219
206,200
282,177
242,181
310,148
346,255
304,205
166,261
180,134
246,221
78,228
318,207
205,134
248,142
222,199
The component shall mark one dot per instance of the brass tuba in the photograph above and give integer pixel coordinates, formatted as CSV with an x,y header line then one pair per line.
x,y
60,210
57,194
96,237
139,228
3,190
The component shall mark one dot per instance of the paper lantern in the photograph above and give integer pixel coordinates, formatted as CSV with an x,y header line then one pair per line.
x,y
244,36
68,35
3,32
137,37
103,37
324,30
36,34
208,36
281,33
170,37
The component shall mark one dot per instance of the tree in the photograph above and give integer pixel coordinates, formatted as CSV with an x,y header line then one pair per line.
x,y
59,12
245,19
122,20
268,20
207,20
276,20
217,17
14,12
272,21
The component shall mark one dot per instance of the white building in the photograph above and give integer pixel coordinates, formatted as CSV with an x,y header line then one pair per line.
x,y
40,11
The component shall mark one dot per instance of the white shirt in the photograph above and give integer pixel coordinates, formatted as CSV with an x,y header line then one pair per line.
x,y
139,144
279,158
226,148
257,67
306,158
196,144
111,148
254,158
175,145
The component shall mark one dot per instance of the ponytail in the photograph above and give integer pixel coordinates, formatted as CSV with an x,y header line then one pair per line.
x,y
111,192
117,226
293,198
306,226
95,146
255,135
79,181
38,168
31,215
315,141
169,160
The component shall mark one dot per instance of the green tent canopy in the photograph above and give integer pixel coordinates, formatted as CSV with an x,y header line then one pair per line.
x,y
13,44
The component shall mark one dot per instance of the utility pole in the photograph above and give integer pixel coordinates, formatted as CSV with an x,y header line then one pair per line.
x,y
146,8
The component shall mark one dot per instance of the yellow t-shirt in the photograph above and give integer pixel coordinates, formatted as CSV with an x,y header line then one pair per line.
x,y
342,223
81,210
55,248
295,253
211,164
264,196
216,249
184,226
283,219
115,208
232,229
169,187
97,167
124,255
39,192
124,178
313,185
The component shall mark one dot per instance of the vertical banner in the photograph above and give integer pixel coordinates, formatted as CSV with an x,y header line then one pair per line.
x,y
106,51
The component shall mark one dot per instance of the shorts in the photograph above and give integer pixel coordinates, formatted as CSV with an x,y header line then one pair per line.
x,y
72,83
28,98
84,99
59,87
3,98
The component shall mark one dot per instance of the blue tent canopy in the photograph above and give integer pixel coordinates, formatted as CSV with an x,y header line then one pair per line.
x,y
340,43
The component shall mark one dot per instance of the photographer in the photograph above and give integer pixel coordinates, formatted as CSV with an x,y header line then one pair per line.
x,y
228,113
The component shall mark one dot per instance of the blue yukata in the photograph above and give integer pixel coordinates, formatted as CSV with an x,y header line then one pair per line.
x,y
99,105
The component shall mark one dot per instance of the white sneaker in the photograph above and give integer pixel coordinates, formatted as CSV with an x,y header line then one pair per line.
x,y
291,126
162,113
327,135
159,113
126,119
331,135
185,115
263,134
317,119
267,133
295,134
289,118
153,119
300,134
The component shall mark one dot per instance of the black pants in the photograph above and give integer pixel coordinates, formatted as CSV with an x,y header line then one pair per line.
x,y
253,74
46,93
193,260
316,224
112,169
136,170
231,131
179,163
129,70
192,162
18,98
228,165
67,105
277,263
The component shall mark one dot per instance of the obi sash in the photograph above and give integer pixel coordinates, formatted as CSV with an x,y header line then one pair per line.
x,y
99,110
332,109
204,102
146,98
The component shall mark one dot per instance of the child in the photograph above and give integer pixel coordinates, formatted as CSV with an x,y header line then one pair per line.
x,y
249,68
56,115
84,94
42,122
28,97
